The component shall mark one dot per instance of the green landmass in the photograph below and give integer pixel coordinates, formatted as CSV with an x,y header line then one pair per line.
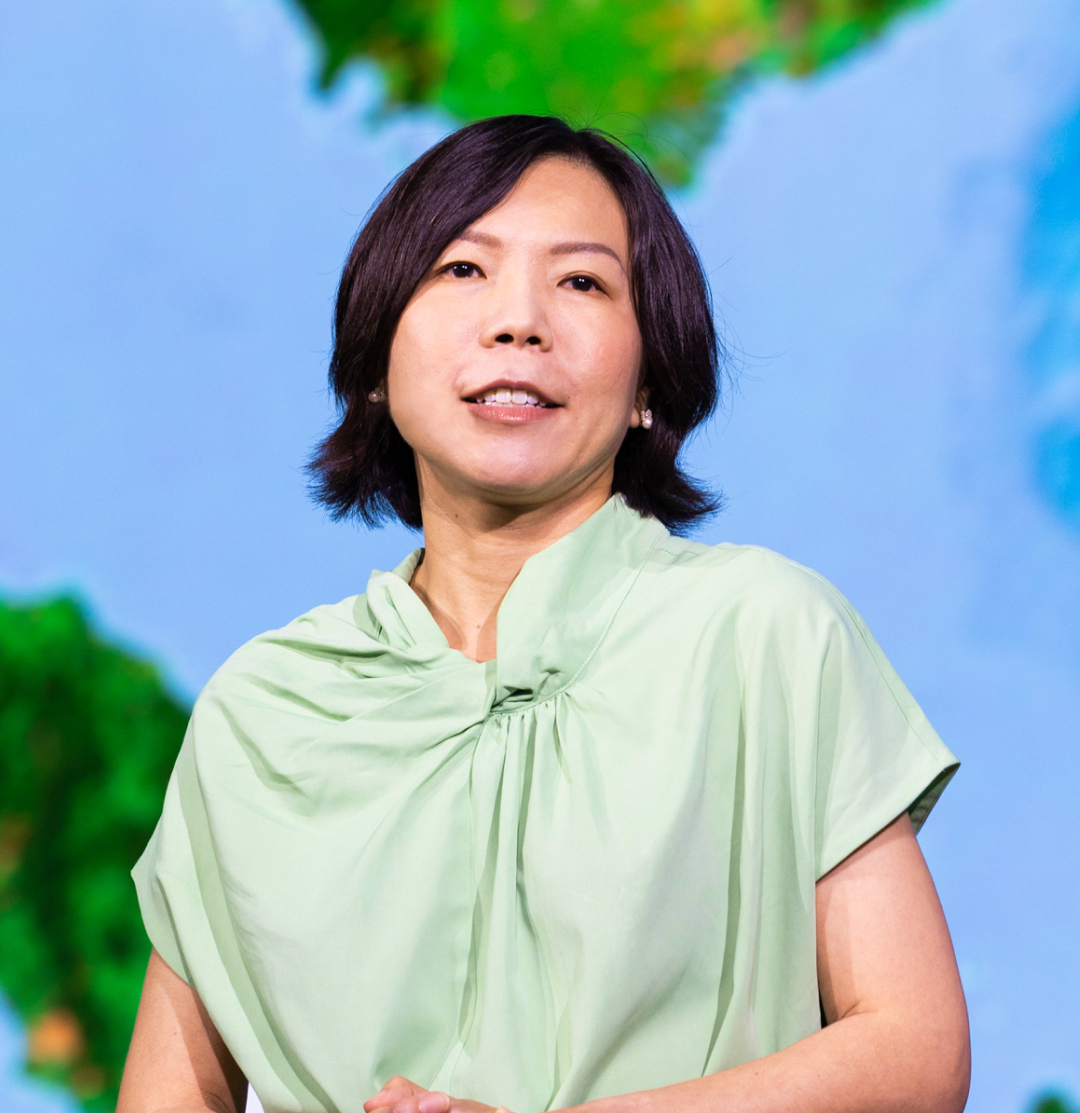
x,y
1053,1103
657,73
88,737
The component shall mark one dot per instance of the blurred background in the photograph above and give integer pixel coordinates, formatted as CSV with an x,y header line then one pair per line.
x,y
886,197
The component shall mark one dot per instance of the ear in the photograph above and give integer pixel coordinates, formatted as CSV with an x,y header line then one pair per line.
x,y
641,402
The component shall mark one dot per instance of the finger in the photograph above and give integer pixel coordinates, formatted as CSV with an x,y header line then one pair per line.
x,y
402,1085
434,1102
425,1103
394,1090
386,1097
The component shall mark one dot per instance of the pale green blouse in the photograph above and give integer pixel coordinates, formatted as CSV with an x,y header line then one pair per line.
x,y
582,869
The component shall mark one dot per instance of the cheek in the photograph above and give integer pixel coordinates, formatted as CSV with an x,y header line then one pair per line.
x,y
631,358
408,376
428,337
616,361
423,372
411,353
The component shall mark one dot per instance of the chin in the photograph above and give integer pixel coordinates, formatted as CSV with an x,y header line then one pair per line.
x,y
509,483
506,491
515,479
505,470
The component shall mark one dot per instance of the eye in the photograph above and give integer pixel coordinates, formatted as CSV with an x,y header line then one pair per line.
x,y
583,283
463,270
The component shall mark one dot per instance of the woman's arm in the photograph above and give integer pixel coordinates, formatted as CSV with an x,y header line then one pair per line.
x,y
177,1062
897,1038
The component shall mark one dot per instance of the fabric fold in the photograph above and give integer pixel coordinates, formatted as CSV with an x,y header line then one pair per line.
x,y
584,868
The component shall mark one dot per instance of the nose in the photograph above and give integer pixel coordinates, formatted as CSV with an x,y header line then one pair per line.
x,y
516,317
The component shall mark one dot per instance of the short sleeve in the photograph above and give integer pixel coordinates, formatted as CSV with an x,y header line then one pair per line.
x,y
165,875
178,879
877,755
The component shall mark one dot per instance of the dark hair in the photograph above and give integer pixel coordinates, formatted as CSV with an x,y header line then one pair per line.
x,y
364,467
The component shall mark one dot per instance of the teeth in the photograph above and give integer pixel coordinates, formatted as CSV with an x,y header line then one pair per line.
x,y
506,397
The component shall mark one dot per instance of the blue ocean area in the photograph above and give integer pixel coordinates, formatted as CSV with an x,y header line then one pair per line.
x,y
894,251
18,1093
1053,272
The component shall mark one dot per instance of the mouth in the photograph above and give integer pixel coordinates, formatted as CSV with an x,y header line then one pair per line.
x,y
511,394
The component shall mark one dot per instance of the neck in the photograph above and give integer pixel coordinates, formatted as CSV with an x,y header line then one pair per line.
x,y
473,551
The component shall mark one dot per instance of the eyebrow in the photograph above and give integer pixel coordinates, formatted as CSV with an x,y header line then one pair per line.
x,y
576,247
584,248
481,238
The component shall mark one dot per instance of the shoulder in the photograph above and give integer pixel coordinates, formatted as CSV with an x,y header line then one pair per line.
x,y
280,691
277,660
752,581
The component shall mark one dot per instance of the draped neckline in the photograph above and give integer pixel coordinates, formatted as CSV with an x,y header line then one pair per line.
x,y
550,621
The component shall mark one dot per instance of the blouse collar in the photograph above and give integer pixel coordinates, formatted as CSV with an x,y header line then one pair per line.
x,y
552,618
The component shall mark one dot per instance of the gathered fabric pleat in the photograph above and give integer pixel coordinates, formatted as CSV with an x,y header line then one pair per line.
x,y
584,868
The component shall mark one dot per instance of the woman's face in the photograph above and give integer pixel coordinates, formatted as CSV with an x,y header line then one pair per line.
x,y
514,369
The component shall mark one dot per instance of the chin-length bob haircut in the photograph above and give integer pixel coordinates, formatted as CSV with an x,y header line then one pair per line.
x,y
364,467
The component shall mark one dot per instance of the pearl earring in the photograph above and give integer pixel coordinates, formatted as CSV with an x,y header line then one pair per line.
x,y
646,419
378,395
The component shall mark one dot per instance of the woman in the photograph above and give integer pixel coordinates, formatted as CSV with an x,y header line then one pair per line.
x,y
565,810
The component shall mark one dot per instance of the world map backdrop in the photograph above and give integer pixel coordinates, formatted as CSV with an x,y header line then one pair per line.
x,y
887,198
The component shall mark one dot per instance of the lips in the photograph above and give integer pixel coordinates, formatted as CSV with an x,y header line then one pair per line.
x,y
506,393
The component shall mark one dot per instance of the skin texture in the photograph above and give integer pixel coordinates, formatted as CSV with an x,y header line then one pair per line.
x,y
537,292
177,1062
513,301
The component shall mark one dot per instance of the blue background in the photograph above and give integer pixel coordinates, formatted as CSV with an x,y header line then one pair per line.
x,y
894,246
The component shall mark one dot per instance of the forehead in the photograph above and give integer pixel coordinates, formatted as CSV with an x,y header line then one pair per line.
x,y
558,199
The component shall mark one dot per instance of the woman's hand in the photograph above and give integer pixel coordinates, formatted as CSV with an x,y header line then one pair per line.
x,y
399,1095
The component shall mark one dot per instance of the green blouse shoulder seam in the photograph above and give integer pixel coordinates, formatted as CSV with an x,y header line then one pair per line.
x,y
875,654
